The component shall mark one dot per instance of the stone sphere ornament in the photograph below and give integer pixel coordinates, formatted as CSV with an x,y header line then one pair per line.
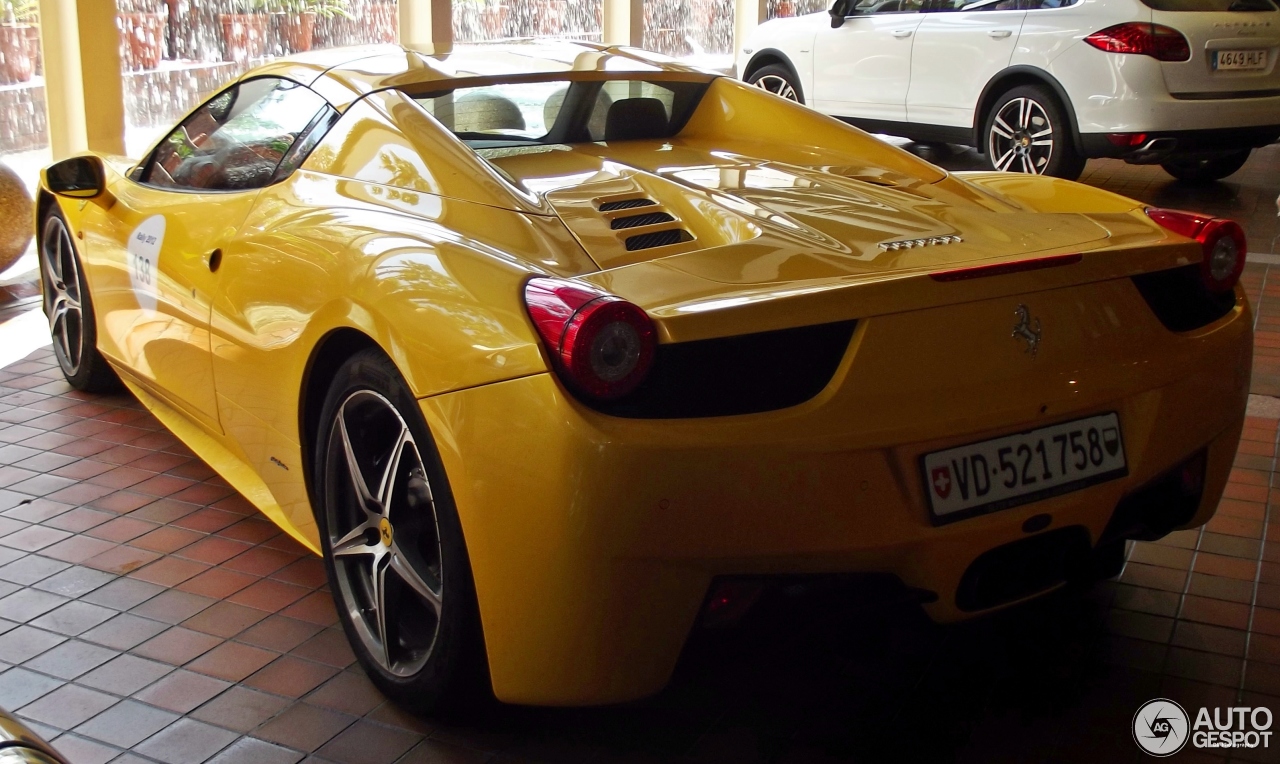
x,y
17,216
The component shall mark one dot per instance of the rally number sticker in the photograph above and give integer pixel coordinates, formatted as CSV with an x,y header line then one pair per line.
x,y
144,258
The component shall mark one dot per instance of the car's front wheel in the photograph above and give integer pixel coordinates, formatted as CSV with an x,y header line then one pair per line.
x,y
777,79
1205,168
393,543
69,308
1027,131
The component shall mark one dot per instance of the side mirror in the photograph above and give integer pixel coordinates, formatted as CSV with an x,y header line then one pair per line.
x,y
839,9
77,177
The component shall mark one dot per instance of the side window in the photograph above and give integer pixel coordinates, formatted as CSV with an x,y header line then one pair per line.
x,y
631,108
872,7
239,138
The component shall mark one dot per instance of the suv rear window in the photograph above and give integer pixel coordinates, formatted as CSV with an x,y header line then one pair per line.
x,y
1210,6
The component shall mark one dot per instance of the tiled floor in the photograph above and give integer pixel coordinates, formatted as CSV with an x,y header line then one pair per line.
x,y
147,613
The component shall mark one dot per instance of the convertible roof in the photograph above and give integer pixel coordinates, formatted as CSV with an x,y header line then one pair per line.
x,y
343,75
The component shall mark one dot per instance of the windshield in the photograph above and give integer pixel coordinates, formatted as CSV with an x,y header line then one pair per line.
x,y
1215,6
564,111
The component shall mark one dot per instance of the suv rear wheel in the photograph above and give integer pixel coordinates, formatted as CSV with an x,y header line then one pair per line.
x,y
777,79
1204,169
1027,131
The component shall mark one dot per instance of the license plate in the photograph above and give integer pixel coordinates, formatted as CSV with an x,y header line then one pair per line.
x,y
1234,60
1016,469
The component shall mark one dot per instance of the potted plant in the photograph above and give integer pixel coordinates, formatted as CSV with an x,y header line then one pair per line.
x,y
16,64
296,20
245,31
142,25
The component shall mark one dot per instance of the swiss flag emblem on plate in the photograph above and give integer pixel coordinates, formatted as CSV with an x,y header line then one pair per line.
x,y
941,480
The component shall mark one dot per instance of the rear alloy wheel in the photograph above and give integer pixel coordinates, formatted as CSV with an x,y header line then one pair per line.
x,y
69,308
777,79
1205,169
1028,132
392,542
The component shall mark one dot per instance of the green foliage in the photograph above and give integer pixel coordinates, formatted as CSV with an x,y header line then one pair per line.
x,y
323,8
24,11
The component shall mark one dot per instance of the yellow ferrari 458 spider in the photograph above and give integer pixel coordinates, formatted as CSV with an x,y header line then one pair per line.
x,y
558,353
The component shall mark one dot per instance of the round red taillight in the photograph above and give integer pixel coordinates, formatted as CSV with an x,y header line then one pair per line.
x,y
1223,242
602,345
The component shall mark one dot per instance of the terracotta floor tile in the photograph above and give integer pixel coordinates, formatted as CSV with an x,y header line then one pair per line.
x,y
207,520
218,583
121,529
290,676
84,751
117,477
214,550
165,539
125,674
161,462
123,632
249,750
169,571
126,724
203,493
348,692
34,538
24,643
369,743
121,559
238,708
68,706
162,486
304,727
308,572
164,511
38,511
1154,577
177,646
225,619
172,606
121,502
1227,567
70,659
329,646
79,519
74,581
182,691
1212,639
73,618
80,493
123,593
186,740
1163,556
231,661
250,529
316,608
1232,615
278,633
269,595
261,561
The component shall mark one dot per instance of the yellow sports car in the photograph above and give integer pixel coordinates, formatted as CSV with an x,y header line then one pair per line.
x,y
559,353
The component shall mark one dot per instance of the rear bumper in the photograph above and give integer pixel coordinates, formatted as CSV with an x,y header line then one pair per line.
x,y
594,539
1157,145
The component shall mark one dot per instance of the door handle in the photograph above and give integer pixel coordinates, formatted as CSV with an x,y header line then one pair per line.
x,y
902,34
214,260
998,34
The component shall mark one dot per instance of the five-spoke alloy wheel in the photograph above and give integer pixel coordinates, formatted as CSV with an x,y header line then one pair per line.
x,y
777,79
69,308
393,545
1027,132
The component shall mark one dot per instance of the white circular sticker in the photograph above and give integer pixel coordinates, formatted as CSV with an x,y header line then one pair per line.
x,y
144,257
1160,727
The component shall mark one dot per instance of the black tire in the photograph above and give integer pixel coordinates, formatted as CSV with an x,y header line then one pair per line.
x,y
779,80
69,307
1016,128
429,655
1205,169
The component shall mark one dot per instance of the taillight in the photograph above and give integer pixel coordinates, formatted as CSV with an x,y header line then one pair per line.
x,y
601,344
1142,39
1223,242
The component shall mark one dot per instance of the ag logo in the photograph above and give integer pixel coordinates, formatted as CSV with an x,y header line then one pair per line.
x,y
1160,727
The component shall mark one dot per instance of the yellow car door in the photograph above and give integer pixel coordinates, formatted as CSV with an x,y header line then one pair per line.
x,y
156,252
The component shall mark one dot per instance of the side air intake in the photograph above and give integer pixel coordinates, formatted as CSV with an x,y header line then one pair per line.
x,y
635,221
658,239
626,204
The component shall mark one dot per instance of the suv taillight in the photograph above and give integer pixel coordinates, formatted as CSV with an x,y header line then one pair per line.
x,y
1142,39
601,345
1223,242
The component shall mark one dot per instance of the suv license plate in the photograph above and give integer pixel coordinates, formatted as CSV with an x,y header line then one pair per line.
x,y
1235,60
1017,469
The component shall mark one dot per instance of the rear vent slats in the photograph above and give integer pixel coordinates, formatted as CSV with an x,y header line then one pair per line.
x,y
635,221
657,239
626,204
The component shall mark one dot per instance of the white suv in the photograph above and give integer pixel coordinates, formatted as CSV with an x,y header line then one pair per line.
x,y
1040,85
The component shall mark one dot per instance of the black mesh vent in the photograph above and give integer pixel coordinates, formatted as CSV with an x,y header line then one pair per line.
x,y
746,374
626,204
1179,299
657,239
635,221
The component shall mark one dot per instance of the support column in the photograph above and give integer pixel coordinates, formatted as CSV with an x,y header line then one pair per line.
x,y
426,23
84,89
747,15
624,22
63,87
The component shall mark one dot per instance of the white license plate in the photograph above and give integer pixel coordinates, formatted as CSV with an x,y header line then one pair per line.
x,y
1016,469
1234,60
